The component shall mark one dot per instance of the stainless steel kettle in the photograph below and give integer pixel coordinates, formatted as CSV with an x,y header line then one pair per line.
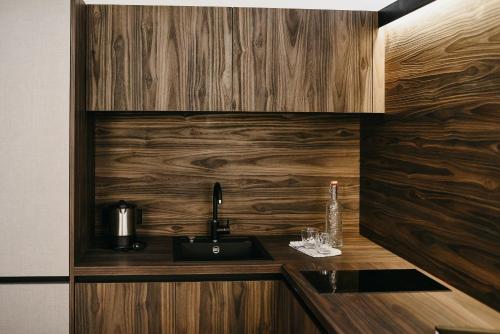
x,y
123,218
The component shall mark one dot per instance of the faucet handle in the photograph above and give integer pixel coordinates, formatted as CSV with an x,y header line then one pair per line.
x,y
224,229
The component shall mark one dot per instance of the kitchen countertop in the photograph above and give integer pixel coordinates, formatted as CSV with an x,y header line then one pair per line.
x,y
401,312
394,312
157,259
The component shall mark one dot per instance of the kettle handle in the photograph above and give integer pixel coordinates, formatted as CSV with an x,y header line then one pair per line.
x,y
139,216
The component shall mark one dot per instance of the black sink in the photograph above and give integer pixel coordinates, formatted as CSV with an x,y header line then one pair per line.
x,y
382,280
226,249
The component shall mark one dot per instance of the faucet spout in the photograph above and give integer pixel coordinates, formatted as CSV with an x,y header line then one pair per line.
x,y
215,227
216,200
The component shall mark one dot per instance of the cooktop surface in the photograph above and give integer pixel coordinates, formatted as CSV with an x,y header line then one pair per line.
x,y
384,280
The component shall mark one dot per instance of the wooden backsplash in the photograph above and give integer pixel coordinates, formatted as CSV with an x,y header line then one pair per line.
x,y
274,169
430,170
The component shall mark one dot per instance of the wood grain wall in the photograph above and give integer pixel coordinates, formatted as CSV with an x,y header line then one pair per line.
x,y
81,140
274,169
430,167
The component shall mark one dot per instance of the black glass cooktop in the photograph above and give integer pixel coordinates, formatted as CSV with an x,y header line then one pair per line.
x,y
385,280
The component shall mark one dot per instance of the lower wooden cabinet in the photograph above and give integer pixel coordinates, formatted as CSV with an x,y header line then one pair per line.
x,y
124,308
292,318
225,307
189,307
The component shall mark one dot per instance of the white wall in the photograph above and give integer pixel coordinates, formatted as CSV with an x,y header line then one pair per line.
x,y
371,5
34,137
34,308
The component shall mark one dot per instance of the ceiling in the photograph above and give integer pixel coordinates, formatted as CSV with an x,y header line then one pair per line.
x,y
370,5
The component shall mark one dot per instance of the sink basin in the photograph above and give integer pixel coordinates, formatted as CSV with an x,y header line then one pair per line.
x,y
226,249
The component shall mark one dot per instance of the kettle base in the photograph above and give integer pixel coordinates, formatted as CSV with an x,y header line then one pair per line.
x,y
123,243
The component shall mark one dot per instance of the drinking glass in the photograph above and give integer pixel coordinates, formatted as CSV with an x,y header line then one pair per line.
x,y
323,243
309,237
333,281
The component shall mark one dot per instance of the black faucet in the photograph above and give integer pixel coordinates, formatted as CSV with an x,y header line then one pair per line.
x,y
215,227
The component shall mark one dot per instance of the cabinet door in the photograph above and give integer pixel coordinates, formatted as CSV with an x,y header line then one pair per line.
x,y
34,308
154,58
291,60
34,137
124,308
292,319
226,307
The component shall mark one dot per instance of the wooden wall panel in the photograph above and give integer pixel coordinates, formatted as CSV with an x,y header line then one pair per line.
x,y
289,60
431,167
81,150
81,140
151,58
274,169
379,71
124,308
226,307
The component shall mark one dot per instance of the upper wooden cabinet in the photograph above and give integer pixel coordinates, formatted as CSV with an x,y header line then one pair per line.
x,y
148,58
302,60
144,58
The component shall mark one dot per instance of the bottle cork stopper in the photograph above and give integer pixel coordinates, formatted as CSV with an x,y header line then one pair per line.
x,y
334,183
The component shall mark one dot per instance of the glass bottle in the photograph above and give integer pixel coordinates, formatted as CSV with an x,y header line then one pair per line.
x,y
333,218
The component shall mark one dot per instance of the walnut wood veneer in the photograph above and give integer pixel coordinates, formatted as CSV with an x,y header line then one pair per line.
x,y
159,58
253,307
274,170
430,168
290,60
